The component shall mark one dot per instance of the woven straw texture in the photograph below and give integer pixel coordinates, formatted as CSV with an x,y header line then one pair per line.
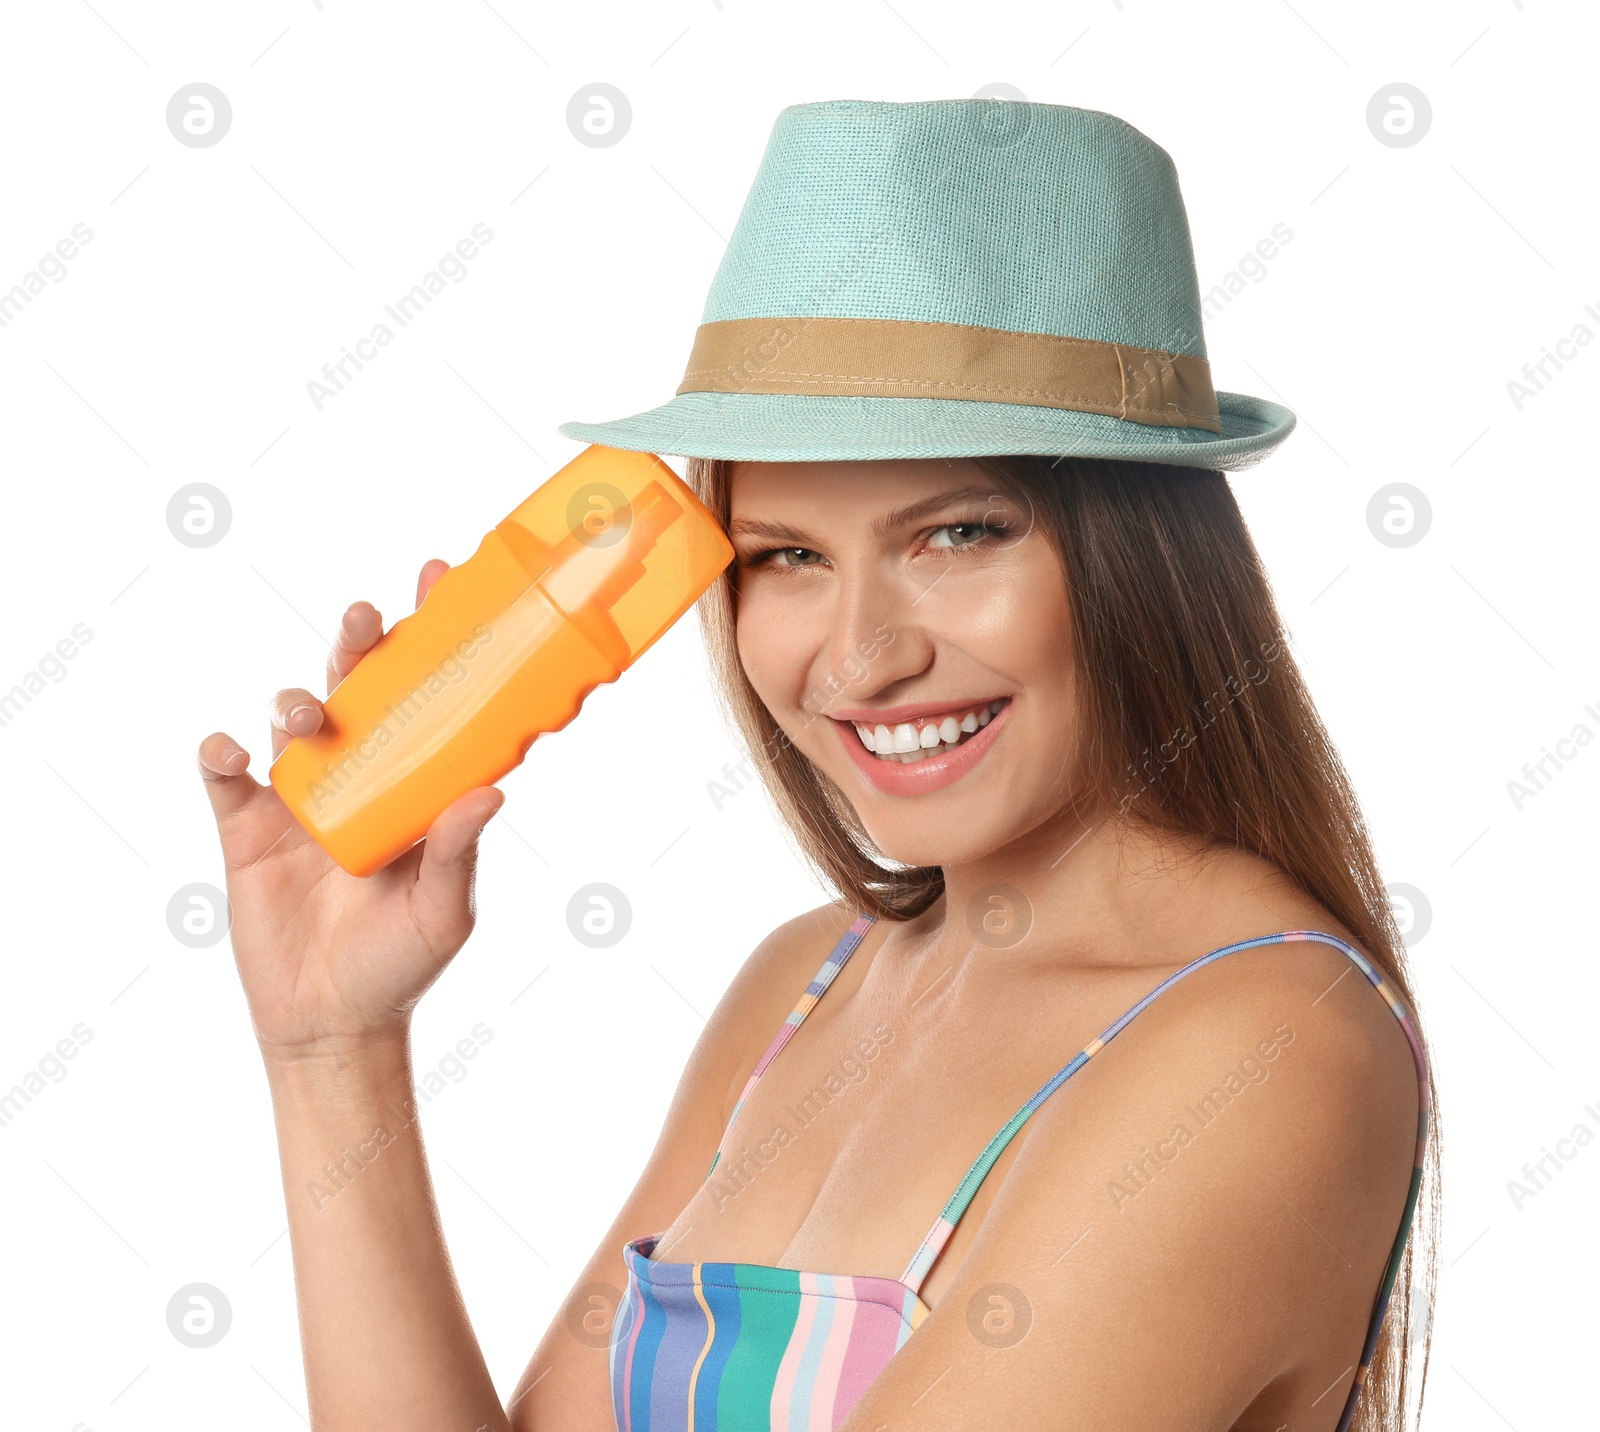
x,y
1028,217
1063,221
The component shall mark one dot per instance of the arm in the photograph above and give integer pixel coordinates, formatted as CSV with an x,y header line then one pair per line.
x,y
1234,1275
386,1336
331,967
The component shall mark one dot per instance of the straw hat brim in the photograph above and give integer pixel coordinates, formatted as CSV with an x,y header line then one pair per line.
x,y
771,427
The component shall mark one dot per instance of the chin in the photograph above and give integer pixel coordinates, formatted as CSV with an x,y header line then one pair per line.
x,y
911,838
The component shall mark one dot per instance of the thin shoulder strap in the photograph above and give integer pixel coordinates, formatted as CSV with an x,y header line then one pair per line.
x,y
925,1256
797,1016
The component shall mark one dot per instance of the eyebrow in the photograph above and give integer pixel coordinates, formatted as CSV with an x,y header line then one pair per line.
x,y
888,522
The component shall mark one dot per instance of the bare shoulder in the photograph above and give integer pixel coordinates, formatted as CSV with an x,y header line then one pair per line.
x,y
1266,1104
1284,1006
1279,970
746,1017
1198,1220
771,980
789,946
1300,1004
564,1383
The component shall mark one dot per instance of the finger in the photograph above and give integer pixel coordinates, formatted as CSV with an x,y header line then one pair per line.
x,y
359,631
293,712
432,570
224,764
441,900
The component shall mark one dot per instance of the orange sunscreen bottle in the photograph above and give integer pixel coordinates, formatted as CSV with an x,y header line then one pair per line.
x,y
563,595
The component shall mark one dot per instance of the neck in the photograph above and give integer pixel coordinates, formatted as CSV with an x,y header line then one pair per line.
x,y
1089,888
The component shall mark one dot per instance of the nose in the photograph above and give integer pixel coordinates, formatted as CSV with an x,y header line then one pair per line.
x,y
877,637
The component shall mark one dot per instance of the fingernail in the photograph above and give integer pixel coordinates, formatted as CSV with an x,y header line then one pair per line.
x,y
302,710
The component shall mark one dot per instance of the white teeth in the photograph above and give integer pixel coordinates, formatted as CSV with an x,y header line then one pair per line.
x,y
908,742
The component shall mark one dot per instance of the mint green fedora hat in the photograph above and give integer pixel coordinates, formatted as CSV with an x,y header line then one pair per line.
x,y
954,278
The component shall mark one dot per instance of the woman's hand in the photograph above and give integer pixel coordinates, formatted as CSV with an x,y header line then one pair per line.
x,y
329,960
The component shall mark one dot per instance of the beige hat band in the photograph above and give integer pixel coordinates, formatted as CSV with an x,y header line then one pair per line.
x,y
901,358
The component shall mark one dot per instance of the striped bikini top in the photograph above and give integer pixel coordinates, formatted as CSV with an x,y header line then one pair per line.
x,y
743,1347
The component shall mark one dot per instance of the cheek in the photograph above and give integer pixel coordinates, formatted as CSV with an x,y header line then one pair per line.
x,y
1018,625
771,649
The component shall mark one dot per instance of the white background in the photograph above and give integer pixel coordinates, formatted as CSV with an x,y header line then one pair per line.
x,y
365,142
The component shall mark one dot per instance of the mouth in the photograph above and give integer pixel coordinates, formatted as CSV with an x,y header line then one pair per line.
x,y
917,739
913,752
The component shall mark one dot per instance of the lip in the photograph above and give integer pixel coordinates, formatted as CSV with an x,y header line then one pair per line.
x,y
931,773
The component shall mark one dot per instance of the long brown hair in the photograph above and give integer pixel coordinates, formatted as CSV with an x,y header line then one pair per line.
x,y
1196,721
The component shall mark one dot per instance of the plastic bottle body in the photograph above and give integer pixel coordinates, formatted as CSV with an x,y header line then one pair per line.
x,y
453,696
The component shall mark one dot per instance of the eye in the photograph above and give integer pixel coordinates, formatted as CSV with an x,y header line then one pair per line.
x,y
971,534
765,559
977,530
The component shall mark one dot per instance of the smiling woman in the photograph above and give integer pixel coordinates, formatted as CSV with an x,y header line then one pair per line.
x,y
1003,652
1079,614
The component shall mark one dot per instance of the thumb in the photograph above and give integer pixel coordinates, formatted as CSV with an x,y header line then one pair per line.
x,y
442,896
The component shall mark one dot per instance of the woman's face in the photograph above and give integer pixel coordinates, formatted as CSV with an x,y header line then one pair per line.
x,y
904,599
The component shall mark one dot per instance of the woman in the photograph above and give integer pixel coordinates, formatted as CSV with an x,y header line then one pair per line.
x,y
1004,651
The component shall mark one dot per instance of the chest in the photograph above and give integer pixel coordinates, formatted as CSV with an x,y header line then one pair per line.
x,y
844,1154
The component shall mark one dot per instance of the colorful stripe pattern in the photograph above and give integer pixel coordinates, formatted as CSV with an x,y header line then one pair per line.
x,y
736,1346
742,1347
797,1016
